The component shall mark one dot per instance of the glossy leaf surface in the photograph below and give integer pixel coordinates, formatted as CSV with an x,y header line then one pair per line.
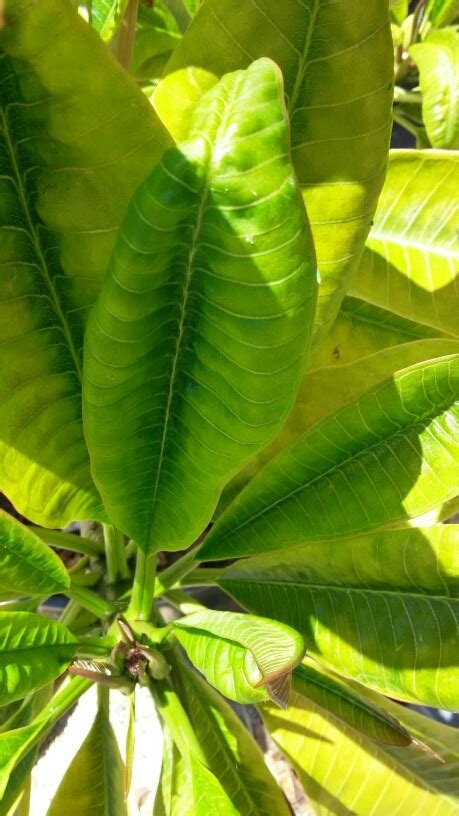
x,y
388,457
72,150
329,387
27,565
231,752
344,773
437,58
197,342
336,699
242,656
410,263
383,608
94,778
338,73
33,651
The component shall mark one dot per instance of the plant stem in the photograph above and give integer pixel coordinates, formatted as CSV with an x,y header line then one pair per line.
x,y
95,646
70,614
170,576
176,719
125,39
115,552
67,541
185,604
94,603
143,589
202,576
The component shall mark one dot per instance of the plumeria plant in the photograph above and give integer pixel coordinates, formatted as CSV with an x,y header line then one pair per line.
x,y
229,352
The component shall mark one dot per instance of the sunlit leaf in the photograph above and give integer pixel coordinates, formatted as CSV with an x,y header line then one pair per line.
x,y
383,608
388,457
240,655
230,751
94,778
343,773
106,15
410,262
33,651
437,58
338,72
336,699
337,383
76,138
15,745
27,565
197,343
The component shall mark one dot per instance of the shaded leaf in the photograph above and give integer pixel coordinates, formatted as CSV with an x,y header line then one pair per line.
x,y
33,651
240,655
377,462
410,261
27,565
381,608
187,786
345,774
336,699
338,72
442,12
437,58
76,138
197,343
156,37
337,383
95,777
230,751
15,745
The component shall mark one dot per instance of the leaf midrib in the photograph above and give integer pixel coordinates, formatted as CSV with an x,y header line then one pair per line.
x,y
386,719
363,451
37,246
407,769
336,587
189,275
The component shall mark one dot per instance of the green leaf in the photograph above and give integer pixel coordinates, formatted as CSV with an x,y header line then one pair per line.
x,y
230,751
196,345
338,74
343,773
246,658
442,12
361,330
156,37
381,608
15,745
328,693
20,776
437,58
76,138
187,786
398,10
336,382
106,15
385,458
33,651
27,565
95,777
409,264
